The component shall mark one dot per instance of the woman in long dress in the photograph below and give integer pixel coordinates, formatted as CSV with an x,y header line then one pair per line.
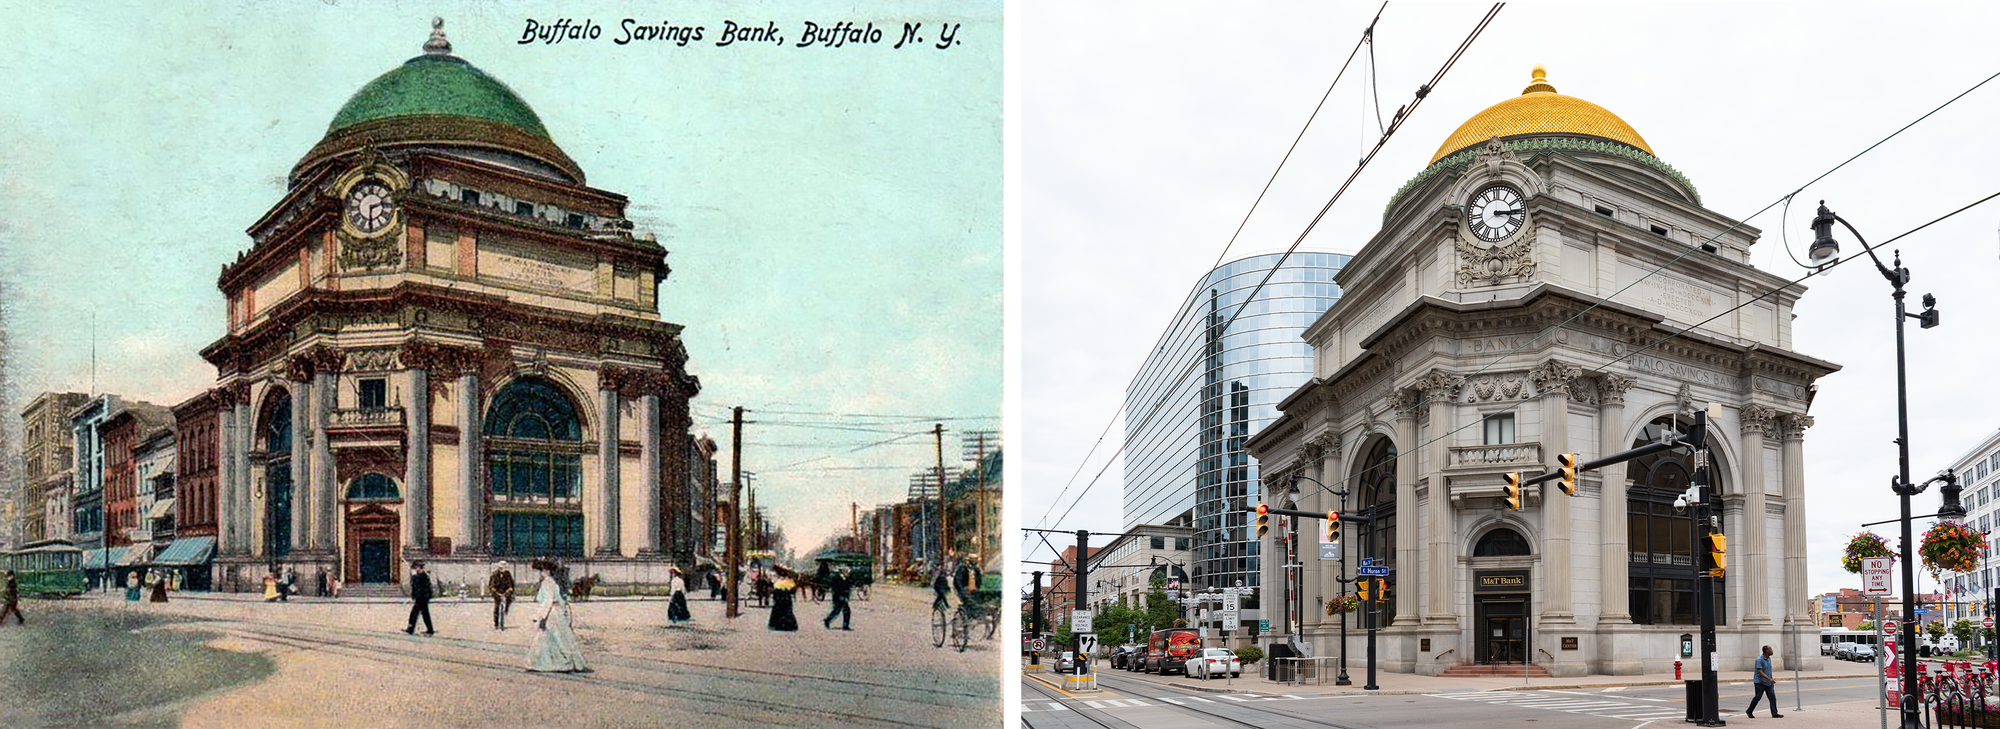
x,y
677,603
555,647
781,605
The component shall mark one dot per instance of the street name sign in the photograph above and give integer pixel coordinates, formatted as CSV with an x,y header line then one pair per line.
x,y
1372,571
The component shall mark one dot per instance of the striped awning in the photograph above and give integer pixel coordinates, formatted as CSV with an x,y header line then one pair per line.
x,y
135,554
161,509
187,552
96,559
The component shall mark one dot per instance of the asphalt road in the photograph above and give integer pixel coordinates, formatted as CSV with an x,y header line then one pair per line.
x,y
1132,702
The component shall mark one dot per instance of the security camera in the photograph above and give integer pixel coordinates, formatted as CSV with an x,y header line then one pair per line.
x,y
1680,504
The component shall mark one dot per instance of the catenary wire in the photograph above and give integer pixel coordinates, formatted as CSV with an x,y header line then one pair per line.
x,y
1461,381
1402,115
1365,34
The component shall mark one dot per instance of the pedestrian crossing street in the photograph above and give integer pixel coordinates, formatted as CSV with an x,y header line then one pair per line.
x,y
1040,705
1578,702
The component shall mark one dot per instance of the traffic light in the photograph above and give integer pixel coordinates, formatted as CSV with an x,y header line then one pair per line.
x,y
1381,590
1718,548
1514,491
1361,589
1333,526
1566,465
1263,520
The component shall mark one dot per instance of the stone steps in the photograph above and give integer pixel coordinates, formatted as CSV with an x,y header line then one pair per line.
x,y
371,590
1467,670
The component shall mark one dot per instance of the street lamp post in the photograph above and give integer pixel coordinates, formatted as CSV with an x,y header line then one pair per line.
x,y
1823,249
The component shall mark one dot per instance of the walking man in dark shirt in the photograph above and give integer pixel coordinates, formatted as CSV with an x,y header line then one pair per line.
x,y
420,599
501,587
1765,685
842,586
11,595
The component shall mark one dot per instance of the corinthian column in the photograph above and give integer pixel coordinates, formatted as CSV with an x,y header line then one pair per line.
x,y
1614,559
227,535
1441,388
608,382
471,528
243,439
1794,461
326,536
1406,503
417,462
302,497
1554,380
1755,585
649,449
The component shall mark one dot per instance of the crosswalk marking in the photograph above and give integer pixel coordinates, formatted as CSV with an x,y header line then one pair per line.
x,y
1105,704
1569,703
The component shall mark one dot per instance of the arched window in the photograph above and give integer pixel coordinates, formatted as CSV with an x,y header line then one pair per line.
x,y
372,487
1377,484
277,436
1502,542
1660,539
534,466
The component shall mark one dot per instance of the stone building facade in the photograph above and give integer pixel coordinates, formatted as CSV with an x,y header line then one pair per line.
x,y
46,455
443,345
1546,286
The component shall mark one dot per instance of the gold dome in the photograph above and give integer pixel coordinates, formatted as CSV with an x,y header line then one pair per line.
x,y
1540,110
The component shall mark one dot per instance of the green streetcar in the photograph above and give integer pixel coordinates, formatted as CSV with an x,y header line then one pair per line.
x,y
48,568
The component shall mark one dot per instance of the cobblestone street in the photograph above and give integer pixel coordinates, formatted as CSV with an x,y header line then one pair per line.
x,y
346,663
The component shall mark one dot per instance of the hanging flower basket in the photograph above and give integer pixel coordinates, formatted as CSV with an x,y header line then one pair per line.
x,y
1343,605
1952,547
1863,545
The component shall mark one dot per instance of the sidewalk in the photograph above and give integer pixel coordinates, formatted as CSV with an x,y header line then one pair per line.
x,y
1409,683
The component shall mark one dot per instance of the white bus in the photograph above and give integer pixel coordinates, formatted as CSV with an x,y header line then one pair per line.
x,y
1829,638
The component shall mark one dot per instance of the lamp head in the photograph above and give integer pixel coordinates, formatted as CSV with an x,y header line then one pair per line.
x,y
1824,247
1952,507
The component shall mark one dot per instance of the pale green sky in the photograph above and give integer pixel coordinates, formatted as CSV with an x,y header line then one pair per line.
x,y
832,216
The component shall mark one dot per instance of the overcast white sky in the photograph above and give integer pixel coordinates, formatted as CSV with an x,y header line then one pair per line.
x,y
1148,129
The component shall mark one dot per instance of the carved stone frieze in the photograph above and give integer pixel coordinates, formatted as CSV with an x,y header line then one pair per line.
x,y
1494,264
373,360
1611,388
370,253
1760,418
1795,425
1555,376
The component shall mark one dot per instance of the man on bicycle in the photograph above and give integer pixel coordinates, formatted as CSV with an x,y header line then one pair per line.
x,y
940,583
965,579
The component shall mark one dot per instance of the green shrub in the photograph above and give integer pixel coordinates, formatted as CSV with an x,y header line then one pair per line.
x,y
1249,654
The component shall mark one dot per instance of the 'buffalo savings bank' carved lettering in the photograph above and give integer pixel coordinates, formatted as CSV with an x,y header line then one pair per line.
x,y
1679,371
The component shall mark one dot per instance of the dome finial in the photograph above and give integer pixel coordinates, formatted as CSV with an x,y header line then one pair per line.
x,y
1541,82
438,45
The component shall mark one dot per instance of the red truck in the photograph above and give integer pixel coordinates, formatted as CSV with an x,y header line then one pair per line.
x,y
1169,650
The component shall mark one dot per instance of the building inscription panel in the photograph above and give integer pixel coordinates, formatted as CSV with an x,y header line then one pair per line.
x,y
517,262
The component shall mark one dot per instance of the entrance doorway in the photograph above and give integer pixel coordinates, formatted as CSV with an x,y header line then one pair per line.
x,y
1503,630
375,559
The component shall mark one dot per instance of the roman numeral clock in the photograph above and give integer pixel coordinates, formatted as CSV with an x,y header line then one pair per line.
x,y
1495,245
370,219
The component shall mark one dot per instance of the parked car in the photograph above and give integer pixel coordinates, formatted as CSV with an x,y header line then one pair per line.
x,y
1066,662
1214,662
1862,653
1844,650
1127,655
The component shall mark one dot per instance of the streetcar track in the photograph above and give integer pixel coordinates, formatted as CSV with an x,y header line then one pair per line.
x,y
649,664
1244,705
369,652
1049,693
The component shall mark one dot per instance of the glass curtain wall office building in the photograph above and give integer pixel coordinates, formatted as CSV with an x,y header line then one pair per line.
x,y
1204,391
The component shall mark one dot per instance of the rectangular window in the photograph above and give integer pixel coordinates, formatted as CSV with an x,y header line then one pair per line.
x,y
469,197
374,393
1500,429
1181,544
1159,542
523,207
1658,230
1982,469
574,220
1604,211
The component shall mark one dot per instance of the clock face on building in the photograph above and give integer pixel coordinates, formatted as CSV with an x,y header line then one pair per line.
x,y
1495,212
368,207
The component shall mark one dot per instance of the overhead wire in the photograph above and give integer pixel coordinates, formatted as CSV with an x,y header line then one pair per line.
x,y
1365,35
1402,115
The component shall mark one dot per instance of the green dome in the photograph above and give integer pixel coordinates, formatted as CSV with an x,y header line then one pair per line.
x,y
438,85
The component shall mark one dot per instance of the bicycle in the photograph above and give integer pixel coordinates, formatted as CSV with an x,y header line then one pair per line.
x,y
940,622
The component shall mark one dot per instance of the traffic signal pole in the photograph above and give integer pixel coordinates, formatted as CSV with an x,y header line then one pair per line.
x,y
1035,624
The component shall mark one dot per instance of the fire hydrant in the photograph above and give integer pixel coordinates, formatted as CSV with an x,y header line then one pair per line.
x,y
1677,670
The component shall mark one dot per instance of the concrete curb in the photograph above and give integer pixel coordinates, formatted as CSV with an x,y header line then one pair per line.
x,y
1210,689
1650,683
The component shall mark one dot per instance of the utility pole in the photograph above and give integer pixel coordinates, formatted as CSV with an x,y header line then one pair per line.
x,y
854,520
735,547
1035,625
944,499
1705,582
979,503
1082,571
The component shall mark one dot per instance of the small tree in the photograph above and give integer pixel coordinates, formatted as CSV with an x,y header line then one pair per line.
x,y
1962,630
1063,636
1935,628
1865,626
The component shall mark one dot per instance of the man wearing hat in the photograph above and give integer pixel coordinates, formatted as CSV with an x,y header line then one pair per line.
x,y
501,586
